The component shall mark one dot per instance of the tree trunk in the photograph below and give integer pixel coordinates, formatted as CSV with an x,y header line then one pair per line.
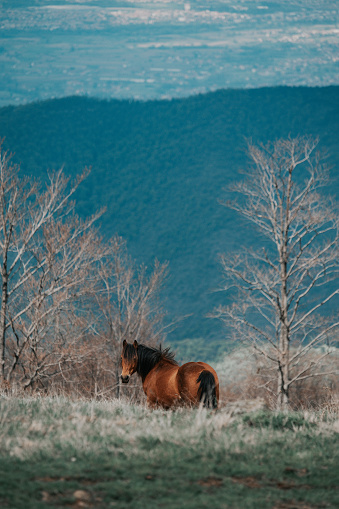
x,y
117,380
283,387
283,373
3,312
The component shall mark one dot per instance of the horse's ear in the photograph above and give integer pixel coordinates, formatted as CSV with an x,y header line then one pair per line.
x,y
135,344
124,343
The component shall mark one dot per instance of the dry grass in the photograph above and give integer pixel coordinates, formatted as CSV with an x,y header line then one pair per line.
x,y
115,453
35,425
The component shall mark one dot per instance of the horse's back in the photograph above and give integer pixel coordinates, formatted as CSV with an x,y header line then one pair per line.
x,y
190,387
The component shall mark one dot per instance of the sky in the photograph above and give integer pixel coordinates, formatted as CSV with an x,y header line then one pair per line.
x,y
161,48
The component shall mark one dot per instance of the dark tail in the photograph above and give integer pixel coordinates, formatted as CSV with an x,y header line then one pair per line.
x,y
207,391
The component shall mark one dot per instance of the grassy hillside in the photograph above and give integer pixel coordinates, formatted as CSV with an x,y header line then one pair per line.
x,y
59,453
159,167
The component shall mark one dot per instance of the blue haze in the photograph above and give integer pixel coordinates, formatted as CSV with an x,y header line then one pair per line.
x,y
161,48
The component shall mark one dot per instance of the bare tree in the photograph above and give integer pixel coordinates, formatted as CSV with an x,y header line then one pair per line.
x,y
128,302
47,257
280,289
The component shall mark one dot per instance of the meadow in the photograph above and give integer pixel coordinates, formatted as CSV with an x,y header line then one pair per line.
x,y
57,452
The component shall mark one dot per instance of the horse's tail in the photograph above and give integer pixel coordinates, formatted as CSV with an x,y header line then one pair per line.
x,y
207,389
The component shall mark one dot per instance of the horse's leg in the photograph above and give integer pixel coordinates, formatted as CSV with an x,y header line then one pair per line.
x,y
151,403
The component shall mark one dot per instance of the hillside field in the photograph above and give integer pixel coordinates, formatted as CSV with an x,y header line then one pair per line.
x,y
56,452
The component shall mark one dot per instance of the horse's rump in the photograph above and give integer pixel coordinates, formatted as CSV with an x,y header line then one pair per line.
x,y
198,382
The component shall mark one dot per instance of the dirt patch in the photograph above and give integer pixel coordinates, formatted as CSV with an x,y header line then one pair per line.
x,y
290,485
292,504
300,472
82,495
82,498
249,482
82,480
253,483
211,482
50,479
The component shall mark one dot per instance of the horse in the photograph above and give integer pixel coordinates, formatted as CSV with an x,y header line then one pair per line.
x,y
165,383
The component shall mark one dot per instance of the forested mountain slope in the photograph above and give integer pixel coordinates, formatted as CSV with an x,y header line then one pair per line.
x,y
160,168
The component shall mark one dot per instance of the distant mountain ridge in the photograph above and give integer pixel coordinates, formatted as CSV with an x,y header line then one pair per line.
x,y
160,166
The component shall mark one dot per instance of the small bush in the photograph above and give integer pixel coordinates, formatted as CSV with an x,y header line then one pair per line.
x,y
245,376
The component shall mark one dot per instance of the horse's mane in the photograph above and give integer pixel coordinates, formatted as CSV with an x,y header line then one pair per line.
x,y
149,357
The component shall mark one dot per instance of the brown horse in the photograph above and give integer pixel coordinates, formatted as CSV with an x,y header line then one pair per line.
x,y
167,384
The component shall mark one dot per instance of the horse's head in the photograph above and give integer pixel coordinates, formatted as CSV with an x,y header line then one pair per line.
x,y
129,360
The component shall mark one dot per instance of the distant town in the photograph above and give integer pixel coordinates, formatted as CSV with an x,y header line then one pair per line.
x,y
147,50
